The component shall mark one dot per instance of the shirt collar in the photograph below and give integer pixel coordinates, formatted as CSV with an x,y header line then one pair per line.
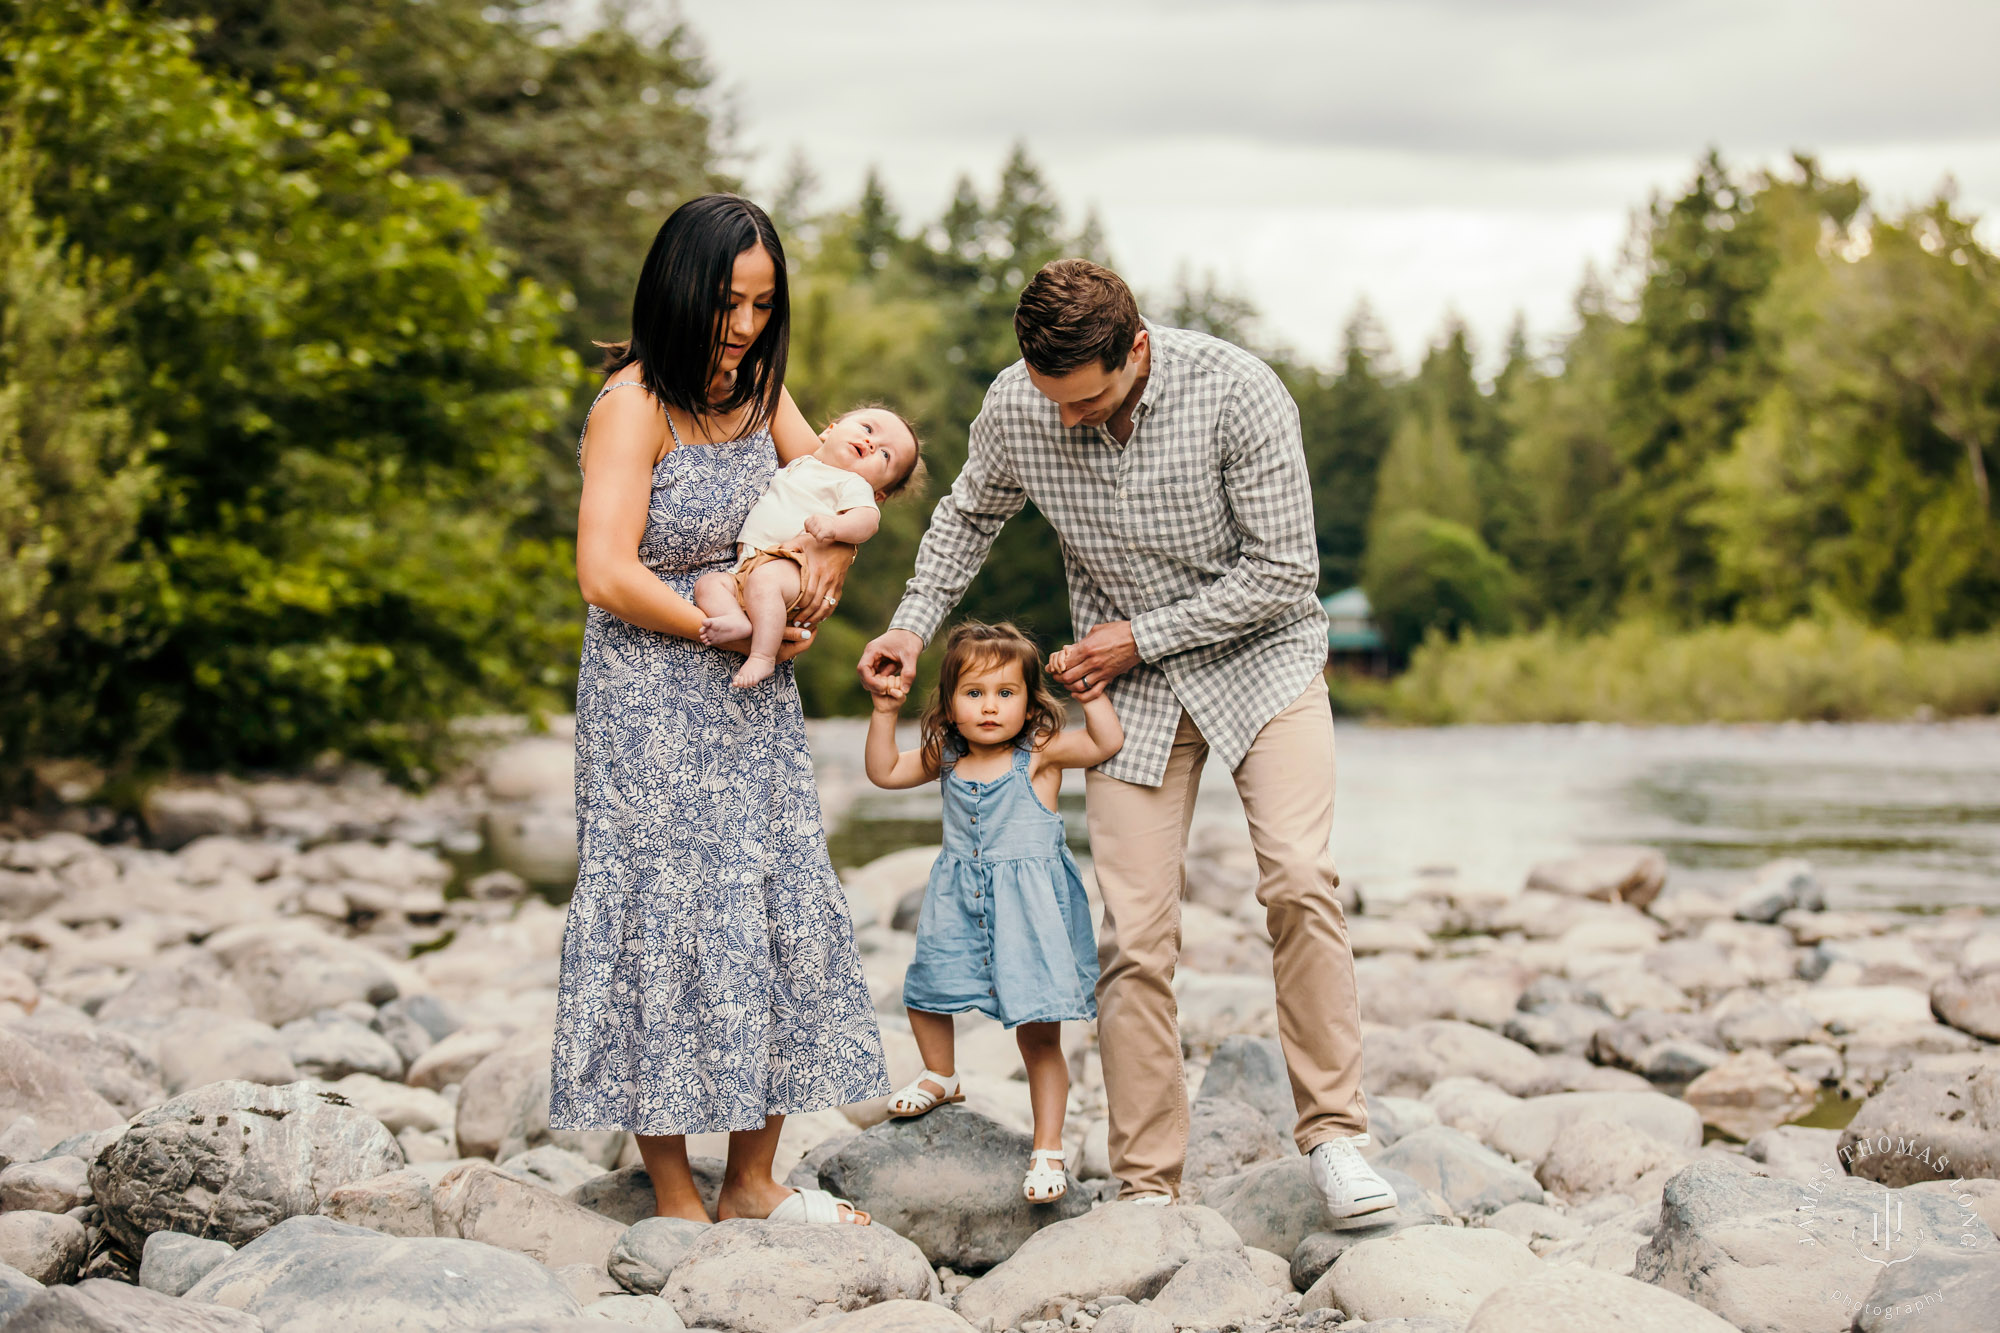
x,y
1148,396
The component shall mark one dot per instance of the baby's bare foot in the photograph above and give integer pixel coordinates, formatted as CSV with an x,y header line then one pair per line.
x,y
754,671
725,629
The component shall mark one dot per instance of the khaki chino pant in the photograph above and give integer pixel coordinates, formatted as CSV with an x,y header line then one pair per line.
x,y
1138,839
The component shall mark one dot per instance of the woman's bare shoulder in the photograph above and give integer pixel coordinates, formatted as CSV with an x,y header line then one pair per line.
x,y
626,421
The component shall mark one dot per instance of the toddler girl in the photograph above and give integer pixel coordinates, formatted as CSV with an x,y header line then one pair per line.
x,y
864,457
1005,927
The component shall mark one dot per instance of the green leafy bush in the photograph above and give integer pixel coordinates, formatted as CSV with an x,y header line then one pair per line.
x,y
349,388
1426,575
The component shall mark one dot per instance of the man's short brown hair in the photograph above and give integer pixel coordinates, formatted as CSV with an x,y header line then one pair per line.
x,y
1074,312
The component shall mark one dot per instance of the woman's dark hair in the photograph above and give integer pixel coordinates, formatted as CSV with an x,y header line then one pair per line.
x,y
974,643
682,298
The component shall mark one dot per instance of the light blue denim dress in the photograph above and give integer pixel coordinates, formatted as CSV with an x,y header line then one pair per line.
x,y
1005,927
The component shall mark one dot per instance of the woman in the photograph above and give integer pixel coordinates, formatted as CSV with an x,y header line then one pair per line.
x,y
709,975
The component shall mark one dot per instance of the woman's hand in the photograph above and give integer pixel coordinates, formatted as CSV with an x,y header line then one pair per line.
x,y
823,567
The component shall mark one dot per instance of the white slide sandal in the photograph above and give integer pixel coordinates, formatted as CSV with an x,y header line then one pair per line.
x,y
818,1208
1046,1181
916,1099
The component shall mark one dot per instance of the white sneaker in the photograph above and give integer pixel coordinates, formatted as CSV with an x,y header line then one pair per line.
x,y
1347,1185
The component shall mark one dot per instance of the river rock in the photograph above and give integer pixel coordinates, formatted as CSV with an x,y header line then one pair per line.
x,y
330,1046
538,843
1215,1288
1224,1137
16,1289
199,1047
901,1317
399,1203
1415,1207
1535,1225
21,1141
397,1105
478,1201
1437,1271
1252,1070
1471,1105
1749,1093
118,1067
1778,887
1632,875
552,1168
1557,1029
503,1107
1470,1176
171,1262
1938,1290
1766,1024
635,1311
1272,1205
415,1023
747,1276
1950,1113
1795,1152
183,978
230,1160
55,1094
1123,1249
1853,1008
291,970
52,1185
645,1254
626,1195
1970,1003
315,1273
1594,1157
454,1056
1871,1057
1405,1063
48,1247
1528,1131
951,1182
26,894
1393,1119
1570,1298
1772,1256
104,1306
176,816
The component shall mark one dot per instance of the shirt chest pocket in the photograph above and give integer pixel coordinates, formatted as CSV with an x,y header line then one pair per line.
x,y
1183,521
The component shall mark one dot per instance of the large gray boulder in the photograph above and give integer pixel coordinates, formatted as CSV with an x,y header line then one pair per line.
x,y
645,1255
1467,1174
746,1276
180,978
104,1306
895,1317
1951,1113
503,1107
626,1195
233,1159
478,1201
1224,1137
397,1204
311,1273
1777,1256
61,1101
1415,1207
16,1289
1749,1093
330,1046
1272,1206
1436,1271
1122,1249
199,1047
52,1185
1598,1157
1570,1298
951,1182
1941,1289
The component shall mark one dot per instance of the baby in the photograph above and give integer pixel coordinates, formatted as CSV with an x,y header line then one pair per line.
x,y
866,456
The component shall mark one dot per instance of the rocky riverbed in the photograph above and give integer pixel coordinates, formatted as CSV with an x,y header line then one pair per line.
x,y
275,1057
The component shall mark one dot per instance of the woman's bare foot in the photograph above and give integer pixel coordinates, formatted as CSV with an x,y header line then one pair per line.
x,y
693,1212
749,1198
756,669
725,629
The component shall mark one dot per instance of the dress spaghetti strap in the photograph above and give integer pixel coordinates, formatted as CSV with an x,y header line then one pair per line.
x,y
617,384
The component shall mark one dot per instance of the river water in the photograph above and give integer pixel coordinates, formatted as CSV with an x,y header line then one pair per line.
x,y
1891,814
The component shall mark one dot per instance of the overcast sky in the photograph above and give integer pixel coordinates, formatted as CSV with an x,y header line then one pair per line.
x,y
1431,155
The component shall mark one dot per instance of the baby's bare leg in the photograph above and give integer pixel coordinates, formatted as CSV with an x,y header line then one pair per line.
x,y
715,594
769,591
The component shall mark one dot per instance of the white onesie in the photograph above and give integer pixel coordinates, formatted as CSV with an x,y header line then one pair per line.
x,y
803,487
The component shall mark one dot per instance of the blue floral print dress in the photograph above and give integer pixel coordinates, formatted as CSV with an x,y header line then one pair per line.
x,y
709,973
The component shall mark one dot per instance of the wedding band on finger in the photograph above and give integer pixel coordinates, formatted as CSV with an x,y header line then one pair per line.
x,y
830,599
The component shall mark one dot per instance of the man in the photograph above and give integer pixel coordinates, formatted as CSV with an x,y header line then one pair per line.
x,y
1170,465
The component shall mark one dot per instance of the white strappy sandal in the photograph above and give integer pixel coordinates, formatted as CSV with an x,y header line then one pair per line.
x,y
1046,1180
916,1099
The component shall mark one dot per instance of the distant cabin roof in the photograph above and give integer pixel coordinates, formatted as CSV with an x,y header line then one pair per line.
x,y
1350,628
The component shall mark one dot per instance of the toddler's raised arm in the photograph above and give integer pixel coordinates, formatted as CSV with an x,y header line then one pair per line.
x,y
886,766
1101,737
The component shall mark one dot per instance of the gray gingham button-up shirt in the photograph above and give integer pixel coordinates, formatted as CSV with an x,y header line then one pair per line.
x,y
1198,530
